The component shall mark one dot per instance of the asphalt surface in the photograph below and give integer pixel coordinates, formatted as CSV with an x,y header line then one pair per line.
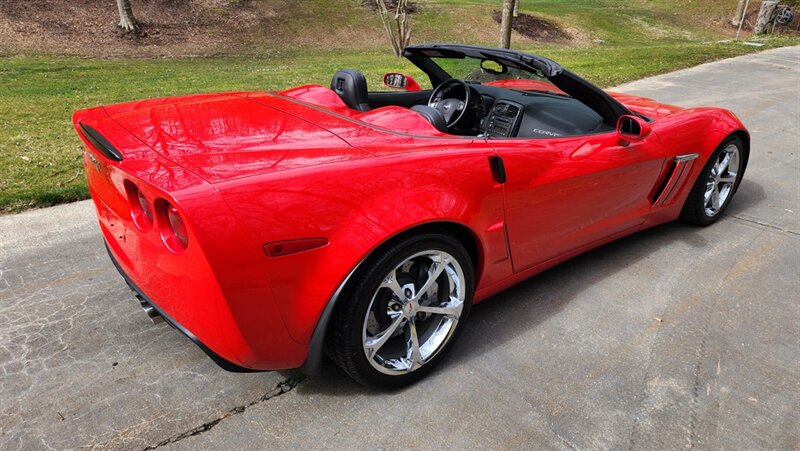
x,y
676,337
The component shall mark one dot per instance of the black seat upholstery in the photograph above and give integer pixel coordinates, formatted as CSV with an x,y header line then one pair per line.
x,y
433,116
351,86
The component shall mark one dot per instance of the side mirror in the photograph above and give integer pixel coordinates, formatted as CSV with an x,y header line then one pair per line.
x,y
397,80
631,129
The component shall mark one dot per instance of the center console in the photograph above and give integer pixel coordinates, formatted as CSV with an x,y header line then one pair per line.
x,y
503,120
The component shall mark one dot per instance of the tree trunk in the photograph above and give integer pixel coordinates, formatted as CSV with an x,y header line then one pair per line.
x,y
516,8
397,24
765,14
126,20
737,15
505,24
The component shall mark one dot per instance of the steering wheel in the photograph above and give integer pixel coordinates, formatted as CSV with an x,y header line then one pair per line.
x,y
452,108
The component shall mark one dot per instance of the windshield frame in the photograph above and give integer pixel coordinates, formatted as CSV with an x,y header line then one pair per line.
x,y
421,56
574,86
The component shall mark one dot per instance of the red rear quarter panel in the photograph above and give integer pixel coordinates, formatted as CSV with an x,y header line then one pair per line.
x,y
212,288
360,205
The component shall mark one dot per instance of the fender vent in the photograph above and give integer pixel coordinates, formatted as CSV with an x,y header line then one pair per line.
x,y
681,166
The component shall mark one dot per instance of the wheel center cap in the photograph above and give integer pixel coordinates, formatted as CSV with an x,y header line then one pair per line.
x,y
409,309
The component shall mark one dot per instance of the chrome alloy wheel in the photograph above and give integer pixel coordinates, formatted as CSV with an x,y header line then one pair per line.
x,y
721,180
414,312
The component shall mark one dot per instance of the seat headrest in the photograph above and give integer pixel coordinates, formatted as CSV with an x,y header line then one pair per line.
x,y
351,86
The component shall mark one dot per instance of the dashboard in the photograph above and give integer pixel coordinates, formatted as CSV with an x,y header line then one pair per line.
x,y
506,113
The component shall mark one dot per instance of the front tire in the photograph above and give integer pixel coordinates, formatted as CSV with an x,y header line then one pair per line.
x,y
716,184
403,311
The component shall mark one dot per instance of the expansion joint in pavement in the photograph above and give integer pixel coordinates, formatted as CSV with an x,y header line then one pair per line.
x,y
764,224
282,387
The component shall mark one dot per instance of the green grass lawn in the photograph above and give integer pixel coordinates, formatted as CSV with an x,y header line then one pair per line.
x,y
40,155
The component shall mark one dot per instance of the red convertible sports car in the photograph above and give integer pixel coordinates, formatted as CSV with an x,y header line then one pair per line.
x,y
273,228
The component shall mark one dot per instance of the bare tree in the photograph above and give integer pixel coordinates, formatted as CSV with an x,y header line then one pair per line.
x,y
397,24
516,7
126,20
737,15
505,23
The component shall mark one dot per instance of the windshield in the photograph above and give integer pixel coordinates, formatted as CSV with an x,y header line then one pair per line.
x,y
493,73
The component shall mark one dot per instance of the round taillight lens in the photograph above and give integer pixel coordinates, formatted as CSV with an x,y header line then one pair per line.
x,y
145,206
171,226
141,209
177,226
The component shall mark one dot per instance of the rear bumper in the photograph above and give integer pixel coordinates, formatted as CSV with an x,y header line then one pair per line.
x,y
143,298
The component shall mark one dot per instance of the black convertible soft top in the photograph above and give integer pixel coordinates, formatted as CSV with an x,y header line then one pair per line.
x,y
509,57
576,87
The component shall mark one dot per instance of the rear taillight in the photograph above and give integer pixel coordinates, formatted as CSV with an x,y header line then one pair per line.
x,y
145,206
168,221
177,226
141,210
173,230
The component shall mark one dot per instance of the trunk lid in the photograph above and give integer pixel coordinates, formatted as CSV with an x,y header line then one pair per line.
x,y
225,136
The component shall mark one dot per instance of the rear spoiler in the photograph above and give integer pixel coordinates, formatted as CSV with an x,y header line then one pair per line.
x,y
99,142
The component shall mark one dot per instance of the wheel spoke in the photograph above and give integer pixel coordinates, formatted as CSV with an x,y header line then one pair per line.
x,y
434,272
709,193
730,178
416,357
723,165
375,343
715,198
452,308
390,282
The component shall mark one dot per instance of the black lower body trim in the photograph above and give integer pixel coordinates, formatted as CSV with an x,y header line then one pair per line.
x,y
223,363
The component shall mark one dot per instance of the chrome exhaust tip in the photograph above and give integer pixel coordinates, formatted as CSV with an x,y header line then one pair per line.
x,y
151,312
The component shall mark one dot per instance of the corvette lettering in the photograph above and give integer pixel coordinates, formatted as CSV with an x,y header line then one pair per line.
x,y
545,132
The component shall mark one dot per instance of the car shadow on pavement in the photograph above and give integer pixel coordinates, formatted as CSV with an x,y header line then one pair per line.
x,y
748,195
521,308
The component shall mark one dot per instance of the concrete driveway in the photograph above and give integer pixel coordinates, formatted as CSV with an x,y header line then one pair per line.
x,y
677,337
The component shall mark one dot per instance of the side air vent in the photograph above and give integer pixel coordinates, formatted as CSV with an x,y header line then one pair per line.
x,y
511,111
100,143
680,167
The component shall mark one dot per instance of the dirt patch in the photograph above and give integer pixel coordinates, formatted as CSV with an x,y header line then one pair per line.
x,y
89,27
177,27
536,28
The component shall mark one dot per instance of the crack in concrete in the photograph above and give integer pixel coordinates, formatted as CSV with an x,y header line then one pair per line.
x,y
763,224
282,387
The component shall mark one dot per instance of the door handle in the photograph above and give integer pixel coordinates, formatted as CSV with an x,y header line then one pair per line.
x,y
498,169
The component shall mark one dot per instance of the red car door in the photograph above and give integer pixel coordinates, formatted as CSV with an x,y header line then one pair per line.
x,y
564,193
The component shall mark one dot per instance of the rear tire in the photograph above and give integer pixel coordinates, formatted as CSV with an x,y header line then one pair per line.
x,y
716,184
403,311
